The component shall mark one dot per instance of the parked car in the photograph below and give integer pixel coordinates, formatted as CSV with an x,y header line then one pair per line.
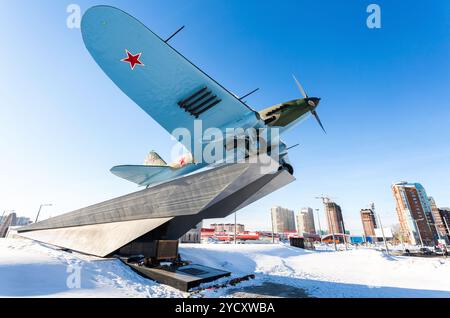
x,y
441,250
425,251
438,251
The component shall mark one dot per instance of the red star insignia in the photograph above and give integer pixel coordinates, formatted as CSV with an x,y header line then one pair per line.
x,y
133,59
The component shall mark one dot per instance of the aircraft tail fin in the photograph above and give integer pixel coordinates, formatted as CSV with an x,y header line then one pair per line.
x,y
153,159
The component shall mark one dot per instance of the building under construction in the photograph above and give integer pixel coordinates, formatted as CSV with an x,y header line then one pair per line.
x,y
369,222
333,213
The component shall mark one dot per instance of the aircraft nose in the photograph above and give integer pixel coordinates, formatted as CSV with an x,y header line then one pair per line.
x,y
314,101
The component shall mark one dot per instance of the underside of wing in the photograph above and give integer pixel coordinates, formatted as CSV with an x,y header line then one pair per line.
x,y
168,87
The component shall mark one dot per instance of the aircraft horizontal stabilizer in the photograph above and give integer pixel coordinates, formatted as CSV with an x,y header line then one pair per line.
x,y
142,174
145,175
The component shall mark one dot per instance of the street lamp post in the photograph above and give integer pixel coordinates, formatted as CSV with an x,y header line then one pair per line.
x,y
343,235
273,234
235,224
39,211
384,237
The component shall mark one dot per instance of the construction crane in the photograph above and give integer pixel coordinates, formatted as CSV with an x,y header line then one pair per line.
x,y
325,199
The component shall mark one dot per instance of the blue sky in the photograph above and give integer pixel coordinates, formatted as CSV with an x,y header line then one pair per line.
x,y
385,99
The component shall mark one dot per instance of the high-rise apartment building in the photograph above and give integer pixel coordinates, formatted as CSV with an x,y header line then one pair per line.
x,y
334,217
283,220
414,213
305,221
439,223
445,215
369,222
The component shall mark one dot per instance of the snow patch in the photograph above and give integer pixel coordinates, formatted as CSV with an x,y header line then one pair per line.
x,y
31,269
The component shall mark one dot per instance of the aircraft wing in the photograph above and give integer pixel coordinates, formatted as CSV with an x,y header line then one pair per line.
x,y
168,87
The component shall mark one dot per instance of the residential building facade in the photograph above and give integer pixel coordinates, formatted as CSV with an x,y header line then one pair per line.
x,y
439,224
283,220
414,213
369,222
335,221
445,215
305,221
229,227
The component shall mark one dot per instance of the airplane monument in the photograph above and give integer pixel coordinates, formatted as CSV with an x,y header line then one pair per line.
x,y
177,196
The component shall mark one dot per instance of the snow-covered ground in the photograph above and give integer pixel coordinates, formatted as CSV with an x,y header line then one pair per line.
x,y
30,269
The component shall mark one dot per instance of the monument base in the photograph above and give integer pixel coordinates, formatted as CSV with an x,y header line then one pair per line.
x,y
131,224
183,278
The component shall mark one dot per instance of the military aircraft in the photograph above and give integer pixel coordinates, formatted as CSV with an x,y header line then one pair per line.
x,y
176,93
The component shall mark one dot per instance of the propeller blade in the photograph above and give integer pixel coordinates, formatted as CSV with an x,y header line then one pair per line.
x,y
300,87
318,120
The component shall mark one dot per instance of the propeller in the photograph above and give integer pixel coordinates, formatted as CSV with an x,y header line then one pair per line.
x,y
313,101
318,120
300,87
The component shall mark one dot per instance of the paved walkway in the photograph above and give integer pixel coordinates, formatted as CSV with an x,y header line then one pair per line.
x,y
268,290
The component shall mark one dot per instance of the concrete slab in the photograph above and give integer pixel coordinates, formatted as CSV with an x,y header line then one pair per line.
x,y
183,278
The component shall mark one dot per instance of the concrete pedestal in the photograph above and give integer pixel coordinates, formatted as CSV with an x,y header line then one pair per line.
x,y
132,223
183,278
